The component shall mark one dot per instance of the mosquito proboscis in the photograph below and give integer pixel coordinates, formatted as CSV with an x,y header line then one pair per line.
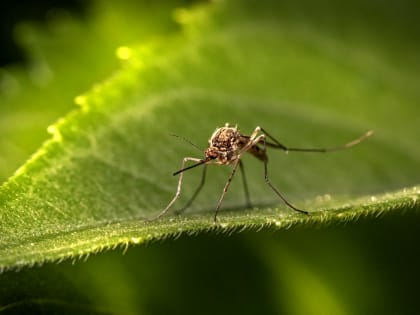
x,y
227,145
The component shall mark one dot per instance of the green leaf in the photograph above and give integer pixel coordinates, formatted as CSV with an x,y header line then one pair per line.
x,y
66,57
108,164
312,74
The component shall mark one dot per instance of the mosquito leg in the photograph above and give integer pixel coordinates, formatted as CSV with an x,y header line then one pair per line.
x,y
278,145
247,199
219,203
178,190
274,188
197,191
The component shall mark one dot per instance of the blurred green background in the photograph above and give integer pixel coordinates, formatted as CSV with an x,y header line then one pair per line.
x,y
365,267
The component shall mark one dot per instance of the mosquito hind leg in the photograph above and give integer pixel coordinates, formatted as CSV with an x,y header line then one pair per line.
x,y
267,180
277,143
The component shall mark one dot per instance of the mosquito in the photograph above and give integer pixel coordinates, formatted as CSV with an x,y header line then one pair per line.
x,y
226,146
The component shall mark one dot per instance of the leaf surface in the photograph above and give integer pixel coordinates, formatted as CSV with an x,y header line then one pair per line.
x,y
108,165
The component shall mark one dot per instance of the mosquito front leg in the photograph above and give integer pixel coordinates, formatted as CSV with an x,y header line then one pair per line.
x,y
197,191
267,180
219,203
178,190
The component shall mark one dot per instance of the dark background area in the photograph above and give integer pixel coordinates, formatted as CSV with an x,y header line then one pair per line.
x,y
13,12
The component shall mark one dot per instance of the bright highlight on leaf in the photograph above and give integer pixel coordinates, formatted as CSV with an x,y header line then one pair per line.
x,y
182,16
124,53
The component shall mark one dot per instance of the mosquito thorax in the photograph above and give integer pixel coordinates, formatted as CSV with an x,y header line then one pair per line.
x,y
223,144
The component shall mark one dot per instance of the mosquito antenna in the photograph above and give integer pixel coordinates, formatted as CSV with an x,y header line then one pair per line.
x,y
186,140
337,148
194,165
